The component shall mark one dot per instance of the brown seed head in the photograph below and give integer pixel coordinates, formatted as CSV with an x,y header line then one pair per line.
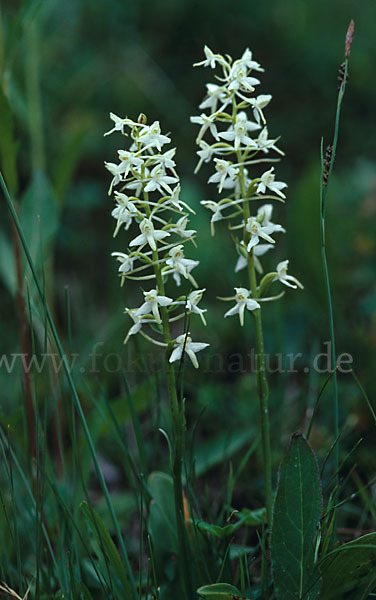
x,y
349,39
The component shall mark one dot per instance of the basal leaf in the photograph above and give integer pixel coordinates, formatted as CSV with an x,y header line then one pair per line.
x,y
296,514
162,519
350,570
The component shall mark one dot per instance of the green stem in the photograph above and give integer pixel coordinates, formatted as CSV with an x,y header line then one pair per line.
x,y
262,383
177,429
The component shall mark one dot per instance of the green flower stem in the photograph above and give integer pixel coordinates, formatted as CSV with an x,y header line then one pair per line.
x,y
262,383
177,426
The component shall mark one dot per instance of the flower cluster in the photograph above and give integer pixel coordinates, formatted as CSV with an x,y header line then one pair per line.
x,y
240,145
147,203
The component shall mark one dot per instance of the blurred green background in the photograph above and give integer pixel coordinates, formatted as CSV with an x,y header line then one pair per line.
x,y
66,65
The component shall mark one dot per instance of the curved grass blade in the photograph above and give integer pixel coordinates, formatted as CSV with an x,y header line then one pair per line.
x,y
70,383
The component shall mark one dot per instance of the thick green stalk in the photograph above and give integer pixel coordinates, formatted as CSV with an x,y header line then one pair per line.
x,y
262,383
177,431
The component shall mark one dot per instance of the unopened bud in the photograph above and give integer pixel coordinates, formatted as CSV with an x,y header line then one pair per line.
x,y
142,119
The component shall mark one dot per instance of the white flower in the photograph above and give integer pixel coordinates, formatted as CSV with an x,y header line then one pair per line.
x,y
264,144
128,161
211,59
175,200
166,159
238,133
117,171
180,265
160,181
284,278
138,322
136,185
267,181
247,61
224,169
216,208
206,122
192,303
119,124
150,135
126,262
148,235
215,93
258,250
243,301
205,154
264,215
258,104
238,78
124,211
151,304
257,231
183,343
181,228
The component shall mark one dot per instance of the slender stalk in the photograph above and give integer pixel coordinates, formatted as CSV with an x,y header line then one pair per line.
x,y
326,171
262,383
177,428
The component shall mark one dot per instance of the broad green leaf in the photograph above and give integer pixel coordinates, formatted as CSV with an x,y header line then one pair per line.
x,y
349,571
220,591
162,519
209,454
107,544
161,526
296,514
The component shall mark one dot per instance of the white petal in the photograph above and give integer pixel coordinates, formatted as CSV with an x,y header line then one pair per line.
x,y
176,354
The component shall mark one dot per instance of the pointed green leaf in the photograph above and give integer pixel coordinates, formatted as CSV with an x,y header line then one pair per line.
x,y
220,591
296,514
350,571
